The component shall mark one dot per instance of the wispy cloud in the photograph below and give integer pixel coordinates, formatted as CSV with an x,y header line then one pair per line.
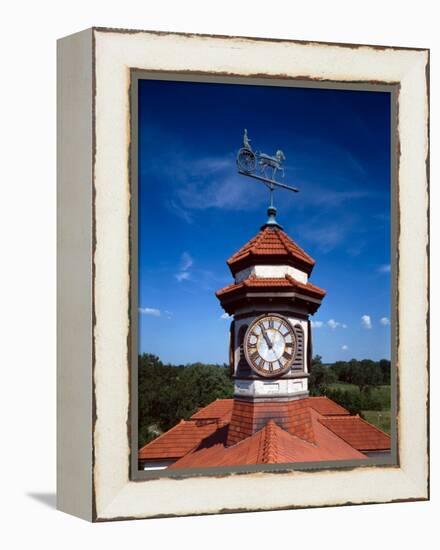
x,y
327,232
384,321
179,211
384,268
333,198
331,323
366,322
150,311
204,183
225,192
335,324
344,347
225,316
186,263
182,276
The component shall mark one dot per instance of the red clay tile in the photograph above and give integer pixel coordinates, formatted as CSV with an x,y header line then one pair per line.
x,y
358,433
273,283
269,244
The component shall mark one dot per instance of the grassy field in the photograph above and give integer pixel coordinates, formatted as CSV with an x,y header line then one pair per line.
x,y
382,391
382,418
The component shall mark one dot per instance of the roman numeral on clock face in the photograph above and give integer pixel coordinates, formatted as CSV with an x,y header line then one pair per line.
x,y
254,356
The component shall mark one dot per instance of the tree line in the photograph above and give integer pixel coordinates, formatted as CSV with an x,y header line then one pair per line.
x,y
371,378
168,393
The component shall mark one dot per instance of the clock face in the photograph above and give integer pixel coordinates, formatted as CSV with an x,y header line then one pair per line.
x,y
270,345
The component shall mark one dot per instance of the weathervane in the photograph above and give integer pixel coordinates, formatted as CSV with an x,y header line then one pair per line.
x,y
264,168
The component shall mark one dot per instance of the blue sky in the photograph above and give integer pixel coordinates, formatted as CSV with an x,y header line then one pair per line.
x,y
195,211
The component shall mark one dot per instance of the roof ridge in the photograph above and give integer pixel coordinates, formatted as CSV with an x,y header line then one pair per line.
x,y
269,448
282,238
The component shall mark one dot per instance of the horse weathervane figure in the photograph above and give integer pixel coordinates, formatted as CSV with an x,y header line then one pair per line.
x,y
257,165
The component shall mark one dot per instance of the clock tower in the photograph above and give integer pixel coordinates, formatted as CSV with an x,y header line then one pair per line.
x,y
270,301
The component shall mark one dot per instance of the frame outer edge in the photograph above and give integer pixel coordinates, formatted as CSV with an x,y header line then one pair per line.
x,y
74,274
113,510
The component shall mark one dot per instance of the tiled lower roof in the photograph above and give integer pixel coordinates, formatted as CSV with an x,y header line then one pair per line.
x,y
271,445
324,405
220,408
179,440
357,432
234,432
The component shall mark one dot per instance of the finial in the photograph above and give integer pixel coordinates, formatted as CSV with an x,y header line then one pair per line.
x,y
271,220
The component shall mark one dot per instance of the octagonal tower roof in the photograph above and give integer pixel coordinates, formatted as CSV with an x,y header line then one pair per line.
x,y
271,246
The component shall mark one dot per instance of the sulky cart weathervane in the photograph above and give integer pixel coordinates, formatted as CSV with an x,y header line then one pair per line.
x,y
264,168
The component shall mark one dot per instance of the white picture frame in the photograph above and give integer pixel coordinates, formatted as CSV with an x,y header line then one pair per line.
x,y
94,221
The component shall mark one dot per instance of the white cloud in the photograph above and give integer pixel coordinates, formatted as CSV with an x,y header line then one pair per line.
x,y
207,183
366,321
186,263
331,323
384,321
384,268
179,211
150,311
344,347
182,276
225,316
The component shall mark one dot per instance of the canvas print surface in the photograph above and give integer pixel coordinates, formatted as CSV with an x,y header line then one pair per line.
x,y
264,291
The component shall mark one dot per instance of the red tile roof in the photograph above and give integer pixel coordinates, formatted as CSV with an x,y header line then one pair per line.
x,y
178,441
219,409
276,283
188,434
271,445
358,433
234,432
325,406
271,245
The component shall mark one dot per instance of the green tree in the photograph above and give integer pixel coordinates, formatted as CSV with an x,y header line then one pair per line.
x,y
168,393
321,376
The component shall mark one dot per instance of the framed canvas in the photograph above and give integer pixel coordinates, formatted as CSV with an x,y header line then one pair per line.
x,y
187,386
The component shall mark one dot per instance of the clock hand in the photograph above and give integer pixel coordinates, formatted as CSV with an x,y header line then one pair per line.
x,y
266,337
